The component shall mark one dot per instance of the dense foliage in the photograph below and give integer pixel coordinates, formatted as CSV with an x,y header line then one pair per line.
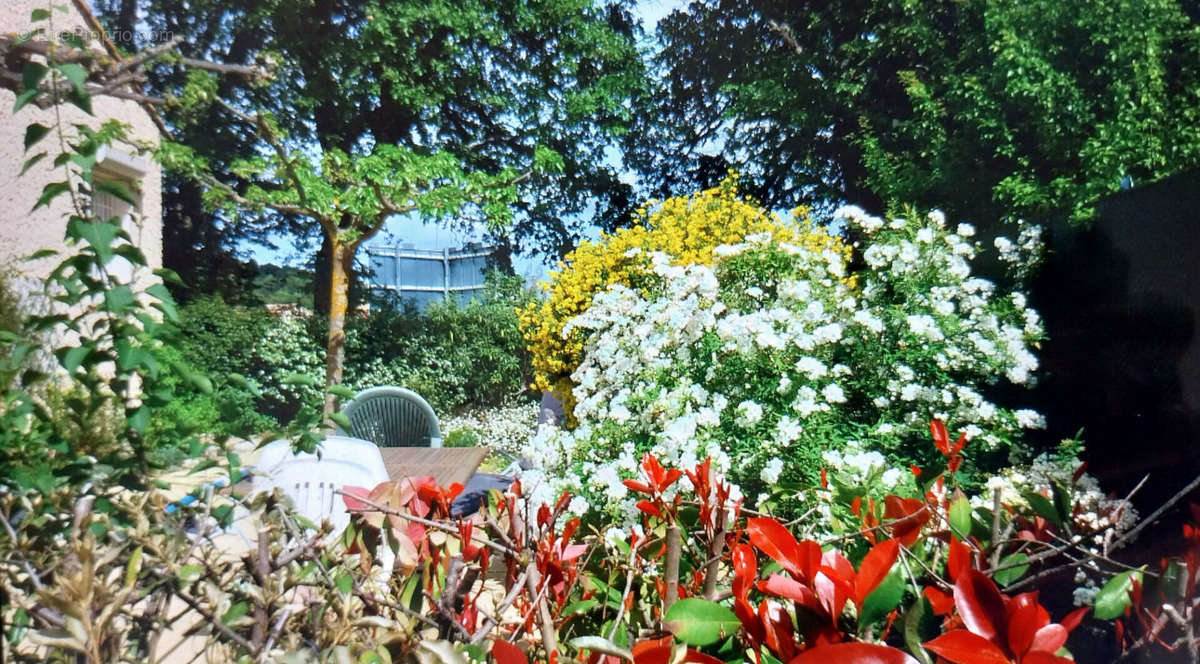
x,y
488,84
685,228
986,110
922,573
773,351
458,355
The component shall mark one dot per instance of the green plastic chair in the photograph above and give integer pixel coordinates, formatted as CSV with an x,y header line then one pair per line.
x,y
392,417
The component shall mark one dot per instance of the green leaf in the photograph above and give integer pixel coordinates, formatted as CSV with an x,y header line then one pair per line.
x,y
34,133
960,516
19,625
23,99
699,622
1114,596
73,72
119,298
39,14
133,567
601,645
116,189
341,391
912,629
98,235
31,76
189,573
1006,576
51,191
236,611
341,420
31,162
344,583
202,466
74,357
883,599
581,606
1042,507
201,382
82,100
299,379
140,419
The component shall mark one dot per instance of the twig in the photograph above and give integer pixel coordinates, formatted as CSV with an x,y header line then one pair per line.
x,y
1127,537
426,522
545,622
671,566
625,594
492,620
1189,633
716,549
33,576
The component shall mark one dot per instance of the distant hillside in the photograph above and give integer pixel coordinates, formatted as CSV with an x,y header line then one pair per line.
x,y
279,284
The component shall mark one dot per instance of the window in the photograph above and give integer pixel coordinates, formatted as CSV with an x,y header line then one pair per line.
x,y
127,170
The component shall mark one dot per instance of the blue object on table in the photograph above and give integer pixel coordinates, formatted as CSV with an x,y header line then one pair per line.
x,y
191,497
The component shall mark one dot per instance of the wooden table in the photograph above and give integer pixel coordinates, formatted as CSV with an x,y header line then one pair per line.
x,y
446,464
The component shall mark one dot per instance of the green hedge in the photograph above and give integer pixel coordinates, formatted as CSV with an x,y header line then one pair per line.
x,y
456,355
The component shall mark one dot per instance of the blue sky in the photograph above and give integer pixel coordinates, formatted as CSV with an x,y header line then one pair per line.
x,y
435,236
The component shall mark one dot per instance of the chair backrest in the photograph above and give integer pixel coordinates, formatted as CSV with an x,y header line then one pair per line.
x,y
393,417
311,481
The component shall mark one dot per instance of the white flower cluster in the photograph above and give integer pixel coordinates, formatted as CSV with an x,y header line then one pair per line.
x,y
1094,514
507,428
776,353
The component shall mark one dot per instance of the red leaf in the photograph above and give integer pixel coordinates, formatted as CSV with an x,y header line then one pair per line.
x,y
1049,638
959,444
941,602
700,658
1023,622
853,653
1074,618
572,551
504,652
963,647
874,568
751,625
958,559
770,537
980,605
810,558
941,439
1045,658
745,569
908,517
649,508
657,651
640,487
352,505
782,586
777,625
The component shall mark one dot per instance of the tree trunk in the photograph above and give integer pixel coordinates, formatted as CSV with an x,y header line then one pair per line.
x,y
339,303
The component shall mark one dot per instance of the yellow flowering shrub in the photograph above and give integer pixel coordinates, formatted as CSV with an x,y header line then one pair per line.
x,y
687,228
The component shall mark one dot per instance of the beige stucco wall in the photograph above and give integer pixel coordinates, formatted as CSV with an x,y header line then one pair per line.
x,y
23,232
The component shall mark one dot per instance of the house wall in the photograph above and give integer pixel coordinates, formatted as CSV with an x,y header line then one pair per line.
x,y
21,231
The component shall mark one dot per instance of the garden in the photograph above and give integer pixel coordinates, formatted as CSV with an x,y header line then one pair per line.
x,y
794,410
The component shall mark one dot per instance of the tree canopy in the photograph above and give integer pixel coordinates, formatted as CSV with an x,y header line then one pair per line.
x,y
491,85
987,109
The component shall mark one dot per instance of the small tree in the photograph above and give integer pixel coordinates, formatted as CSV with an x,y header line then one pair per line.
x,y
349,197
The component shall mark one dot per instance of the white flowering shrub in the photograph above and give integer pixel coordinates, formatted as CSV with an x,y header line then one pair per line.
x,y
775,354
507,428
